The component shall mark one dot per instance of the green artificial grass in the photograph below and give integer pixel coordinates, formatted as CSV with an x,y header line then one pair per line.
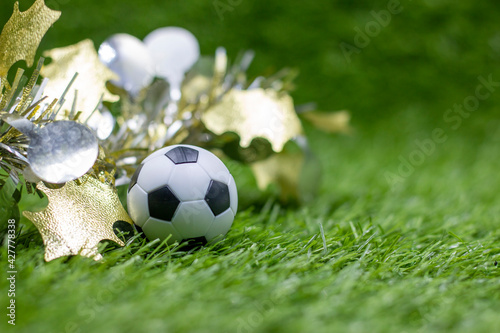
x,y
363,257
367,255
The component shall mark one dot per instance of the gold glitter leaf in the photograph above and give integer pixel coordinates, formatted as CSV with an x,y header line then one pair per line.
x,y
330,122
281,169
78,217
295,171
22,34
255,113
90,83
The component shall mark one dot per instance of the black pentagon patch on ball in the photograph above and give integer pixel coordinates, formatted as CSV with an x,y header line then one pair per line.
x,y
180,155
162,203
217,197
133,180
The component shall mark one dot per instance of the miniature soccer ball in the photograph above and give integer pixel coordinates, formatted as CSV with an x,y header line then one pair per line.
x,y
181,193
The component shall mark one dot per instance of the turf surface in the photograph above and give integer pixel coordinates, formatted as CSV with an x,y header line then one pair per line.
x,y
415,253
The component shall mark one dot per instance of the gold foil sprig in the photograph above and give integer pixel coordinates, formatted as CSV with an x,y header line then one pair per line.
x,y
78,217
79,58
22,34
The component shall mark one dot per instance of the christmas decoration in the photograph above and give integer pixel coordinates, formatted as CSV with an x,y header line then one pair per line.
x,y
255,113
294,170
330,122
22,34
86,121
78,217
47,149
89,87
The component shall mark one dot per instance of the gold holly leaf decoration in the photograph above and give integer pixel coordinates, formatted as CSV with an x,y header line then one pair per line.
x,y
282,169
255,113
330,122
22,34
78,217
295,171
90,83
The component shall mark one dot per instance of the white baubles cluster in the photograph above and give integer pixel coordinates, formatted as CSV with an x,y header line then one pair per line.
x,y
167,53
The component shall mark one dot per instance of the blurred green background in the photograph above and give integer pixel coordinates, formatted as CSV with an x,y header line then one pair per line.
x,y
426,59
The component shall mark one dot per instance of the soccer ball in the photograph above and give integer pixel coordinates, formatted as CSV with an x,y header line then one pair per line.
x,y
182,192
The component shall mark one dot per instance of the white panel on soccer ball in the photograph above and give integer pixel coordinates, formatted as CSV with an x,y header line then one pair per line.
x,y
233,195
137,202
193,219
189,182
157,153
154,228
155,173
214,167
221,226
